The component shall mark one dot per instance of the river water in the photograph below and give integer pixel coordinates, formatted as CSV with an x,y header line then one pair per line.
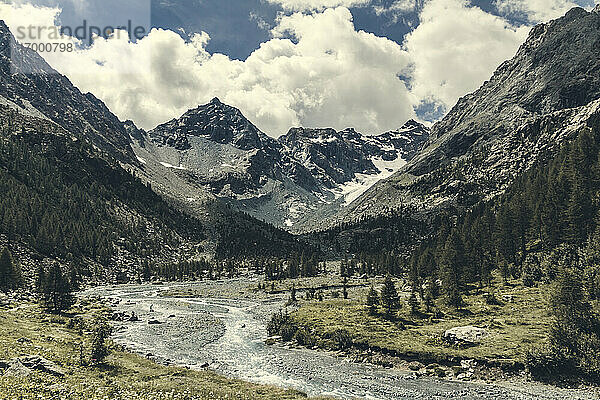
x,y
229,336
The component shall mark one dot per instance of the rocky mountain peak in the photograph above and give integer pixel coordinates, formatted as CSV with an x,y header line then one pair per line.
x,y
216,121
557,68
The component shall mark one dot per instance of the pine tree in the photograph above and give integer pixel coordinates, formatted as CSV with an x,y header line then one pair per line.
x,y
10,271
5,269
451,267
413,303
575,332
345,288
40,281
389,297
429,297
57,293
505,238
101,331
372,301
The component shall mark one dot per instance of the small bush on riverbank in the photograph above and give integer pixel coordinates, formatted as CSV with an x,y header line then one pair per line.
x,y
305,338
281,324
341,339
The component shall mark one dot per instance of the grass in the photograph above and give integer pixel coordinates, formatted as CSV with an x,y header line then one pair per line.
x,y
26,330
514,326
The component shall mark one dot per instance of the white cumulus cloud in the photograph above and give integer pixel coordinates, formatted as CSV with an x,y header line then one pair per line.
x,y
316,71
456,48
536,11
307,5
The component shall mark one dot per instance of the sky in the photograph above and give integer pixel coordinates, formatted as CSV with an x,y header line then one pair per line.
x,y
367,64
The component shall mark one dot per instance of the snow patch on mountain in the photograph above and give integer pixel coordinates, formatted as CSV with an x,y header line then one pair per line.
x,y
352,190
164,164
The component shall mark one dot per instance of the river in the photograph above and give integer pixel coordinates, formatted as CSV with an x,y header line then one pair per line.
x,y
229,336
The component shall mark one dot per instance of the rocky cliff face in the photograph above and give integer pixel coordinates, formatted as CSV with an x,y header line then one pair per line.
x,y
529,106
47,94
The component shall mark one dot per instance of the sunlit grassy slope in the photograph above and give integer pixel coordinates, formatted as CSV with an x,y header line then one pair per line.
x,y
520,322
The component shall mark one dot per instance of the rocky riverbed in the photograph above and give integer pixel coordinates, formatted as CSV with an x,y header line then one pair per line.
x,y
221,326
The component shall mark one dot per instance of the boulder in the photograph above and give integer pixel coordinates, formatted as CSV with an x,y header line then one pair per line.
x,y
415,366
133,317
154,322
465,335
272,340
17,369
41,364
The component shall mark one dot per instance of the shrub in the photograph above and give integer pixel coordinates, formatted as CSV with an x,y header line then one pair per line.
x,y
341,339
545,363
305,338
532,275
281,324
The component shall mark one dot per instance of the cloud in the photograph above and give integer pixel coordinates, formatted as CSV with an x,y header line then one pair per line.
x,y
456,48
307,5
317,70
536,11
398,6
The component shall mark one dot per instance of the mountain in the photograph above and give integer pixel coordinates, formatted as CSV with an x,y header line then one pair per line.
x,y
32,86
73,189
542,97
290,182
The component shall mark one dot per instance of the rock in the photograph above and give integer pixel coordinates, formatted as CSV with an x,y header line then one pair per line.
x,y
465,334
465,376
4,364
468,365
116,316
41,364
154,322
205,365
415,366
23,340
17,369
172,316
509,298
272,340
149,355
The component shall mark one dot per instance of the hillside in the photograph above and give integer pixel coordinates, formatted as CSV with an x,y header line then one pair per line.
x,y
533,102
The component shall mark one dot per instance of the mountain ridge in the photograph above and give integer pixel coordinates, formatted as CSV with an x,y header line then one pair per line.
x,y
286,181
532,102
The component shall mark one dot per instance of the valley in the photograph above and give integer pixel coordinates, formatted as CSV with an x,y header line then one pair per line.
x,y
205,259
